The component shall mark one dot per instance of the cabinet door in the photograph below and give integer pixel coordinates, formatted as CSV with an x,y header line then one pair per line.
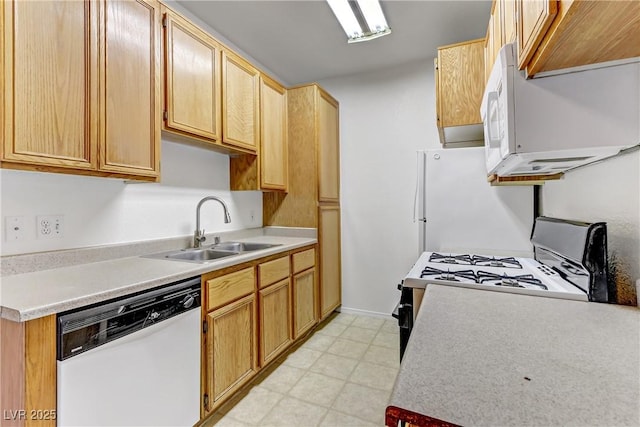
x,y
240,102
49,83
304,302
231,349
508,20
330,269
130,130
534,18
460,83
275,320
328,149
273,135
192,79
489,59
498,30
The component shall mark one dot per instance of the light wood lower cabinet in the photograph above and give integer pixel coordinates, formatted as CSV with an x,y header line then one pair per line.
x,y
304,302
231,350
330,266
28,371
275,320
248,319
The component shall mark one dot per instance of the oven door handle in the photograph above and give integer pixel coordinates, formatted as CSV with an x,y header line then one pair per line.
x,y
396,311
405,319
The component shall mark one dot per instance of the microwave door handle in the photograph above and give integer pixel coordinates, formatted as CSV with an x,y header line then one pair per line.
x,y
491,98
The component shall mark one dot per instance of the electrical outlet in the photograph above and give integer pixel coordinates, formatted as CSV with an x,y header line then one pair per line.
x,y
50,226
14,228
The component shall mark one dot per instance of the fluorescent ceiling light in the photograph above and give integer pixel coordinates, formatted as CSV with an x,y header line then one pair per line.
x,y
361,19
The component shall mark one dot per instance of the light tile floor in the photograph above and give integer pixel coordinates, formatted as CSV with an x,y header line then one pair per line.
x,y
342,375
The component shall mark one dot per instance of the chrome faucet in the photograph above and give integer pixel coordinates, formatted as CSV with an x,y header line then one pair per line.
x,y
198,236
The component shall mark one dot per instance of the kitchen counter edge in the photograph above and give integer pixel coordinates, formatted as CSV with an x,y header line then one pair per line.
x,y
13,306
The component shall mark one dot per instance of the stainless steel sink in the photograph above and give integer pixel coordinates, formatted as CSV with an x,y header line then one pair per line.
x,y
242,246
211,253
194,255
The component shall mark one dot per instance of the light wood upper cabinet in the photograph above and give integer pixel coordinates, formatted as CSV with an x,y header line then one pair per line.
x,y
47,120
131,125
192,78
553,35
81,82
534,18
275,320
240,102
460,81
273,135
508,13
231,352
501,30
328,149
330,265
585,33
268,171
494,39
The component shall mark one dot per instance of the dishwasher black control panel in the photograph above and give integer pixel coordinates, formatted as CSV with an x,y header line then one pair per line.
x,y
85,328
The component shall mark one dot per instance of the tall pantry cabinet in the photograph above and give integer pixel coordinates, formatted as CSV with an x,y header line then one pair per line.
x,y
313,199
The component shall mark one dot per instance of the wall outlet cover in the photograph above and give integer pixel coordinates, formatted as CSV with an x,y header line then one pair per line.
x,y
49,226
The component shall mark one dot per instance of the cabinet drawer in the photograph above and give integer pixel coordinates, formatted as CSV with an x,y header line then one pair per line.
x,y
304,260
229,287
273,271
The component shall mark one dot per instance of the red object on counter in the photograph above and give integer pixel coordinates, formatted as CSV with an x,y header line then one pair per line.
x,y
393,415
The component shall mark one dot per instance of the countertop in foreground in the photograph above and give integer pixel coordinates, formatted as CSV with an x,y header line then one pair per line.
x,y
494,358
32,295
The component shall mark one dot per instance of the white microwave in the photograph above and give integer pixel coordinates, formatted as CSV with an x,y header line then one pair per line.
x,y
553,124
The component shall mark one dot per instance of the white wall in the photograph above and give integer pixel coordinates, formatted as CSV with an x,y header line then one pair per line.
x,y
608,191
385,116
100,211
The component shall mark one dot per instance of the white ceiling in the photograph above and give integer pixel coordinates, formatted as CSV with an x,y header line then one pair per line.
x,y
301,41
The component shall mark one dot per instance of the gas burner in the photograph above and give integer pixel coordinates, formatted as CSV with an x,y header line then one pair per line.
x,y
503,262
467,276
479,260
521,281
451,259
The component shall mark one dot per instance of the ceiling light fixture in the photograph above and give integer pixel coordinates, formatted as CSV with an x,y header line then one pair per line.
x,y
362,20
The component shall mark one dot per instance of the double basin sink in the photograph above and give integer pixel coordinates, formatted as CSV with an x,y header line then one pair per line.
x,y
213,252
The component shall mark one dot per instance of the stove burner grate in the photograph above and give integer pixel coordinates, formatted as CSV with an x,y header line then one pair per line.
x,y
520,281
452,276
479,260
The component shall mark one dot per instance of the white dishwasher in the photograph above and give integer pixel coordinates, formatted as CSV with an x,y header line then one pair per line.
x,y
133,361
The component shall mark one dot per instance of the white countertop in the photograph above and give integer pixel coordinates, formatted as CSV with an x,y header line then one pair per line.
x,y
32,295
488,358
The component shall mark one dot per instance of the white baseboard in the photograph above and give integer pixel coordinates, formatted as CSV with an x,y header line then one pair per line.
x,y
359,312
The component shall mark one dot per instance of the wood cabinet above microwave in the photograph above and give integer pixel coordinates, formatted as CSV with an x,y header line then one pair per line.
x,y
584,33
556,35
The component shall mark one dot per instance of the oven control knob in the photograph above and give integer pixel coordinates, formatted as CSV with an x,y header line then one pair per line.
x,y
187,301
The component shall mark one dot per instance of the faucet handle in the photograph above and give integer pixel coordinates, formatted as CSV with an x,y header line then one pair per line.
x,y
216,240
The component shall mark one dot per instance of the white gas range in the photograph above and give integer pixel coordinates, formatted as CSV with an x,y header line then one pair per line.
x,y
492,273
570,262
